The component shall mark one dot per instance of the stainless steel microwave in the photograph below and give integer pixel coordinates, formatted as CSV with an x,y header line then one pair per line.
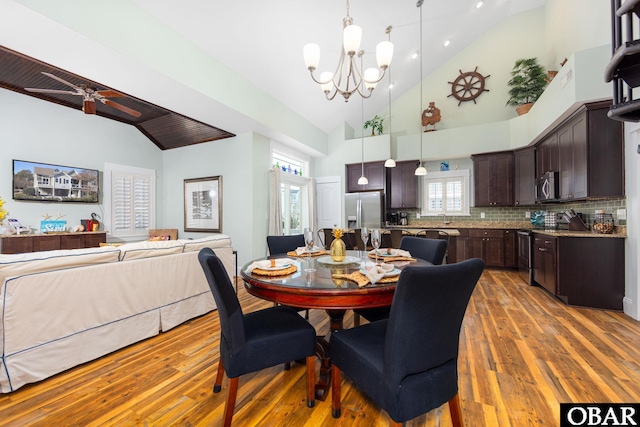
x,y
547,187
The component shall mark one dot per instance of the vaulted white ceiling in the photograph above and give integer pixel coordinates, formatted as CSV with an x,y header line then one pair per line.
x,y
260,41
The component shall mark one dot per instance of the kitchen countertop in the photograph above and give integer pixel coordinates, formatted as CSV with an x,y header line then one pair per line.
x,y
620,232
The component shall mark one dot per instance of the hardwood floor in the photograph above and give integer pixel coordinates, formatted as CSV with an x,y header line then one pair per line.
x,y
521,353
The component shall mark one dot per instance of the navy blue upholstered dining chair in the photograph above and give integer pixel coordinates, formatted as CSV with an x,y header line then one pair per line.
x,y
431,250
255,341
408,364
280,245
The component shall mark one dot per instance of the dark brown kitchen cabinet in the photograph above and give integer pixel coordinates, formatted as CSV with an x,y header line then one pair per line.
x,y
493,179
572,149
487,245
458,249
582,271
510,249
587,151
544,262
525,176
402,184
547,155
374,171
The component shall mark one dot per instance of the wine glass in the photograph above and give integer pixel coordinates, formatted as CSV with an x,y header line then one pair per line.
x,y
375,241
308,241
364,234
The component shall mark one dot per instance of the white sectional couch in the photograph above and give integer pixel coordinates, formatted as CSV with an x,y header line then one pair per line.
x,y
62,308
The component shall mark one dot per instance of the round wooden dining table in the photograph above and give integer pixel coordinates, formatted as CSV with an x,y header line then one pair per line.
x,y
315,285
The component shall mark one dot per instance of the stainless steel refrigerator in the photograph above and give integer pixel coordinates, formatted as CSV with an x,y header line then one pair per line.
x,y
364,209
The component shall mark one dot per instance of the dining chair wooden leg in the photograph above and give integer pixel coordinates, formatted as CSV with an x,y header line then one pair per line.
x,y
217,386
455,411
287,366
311,381
393,423
335,391
231,401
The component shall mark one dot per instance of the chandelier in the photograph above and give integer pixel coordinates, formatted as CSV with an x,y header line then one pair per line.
x,y
348,78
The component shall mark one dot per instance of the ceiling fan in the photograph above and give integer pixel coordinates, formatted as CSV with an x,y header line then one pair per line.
x,y
89,95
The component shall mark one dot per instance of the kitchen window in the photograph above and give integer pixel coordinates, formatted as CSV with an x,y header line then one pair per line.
x,y
446,193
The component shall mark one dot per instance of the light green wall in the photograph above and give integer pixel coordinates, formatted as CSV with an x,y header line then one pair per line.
x,y
242,162
34,130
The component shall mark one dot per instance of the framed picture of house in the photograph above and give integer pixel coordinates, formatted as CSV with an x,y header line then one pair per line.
x,y
203,204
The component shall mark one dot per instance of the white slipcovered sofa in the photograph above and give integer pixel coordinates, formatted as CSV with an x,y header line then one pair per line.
x,y
63,308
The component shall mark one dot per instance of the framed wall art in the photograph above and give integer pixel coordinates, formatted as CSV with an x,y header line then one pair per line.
x,y
203,204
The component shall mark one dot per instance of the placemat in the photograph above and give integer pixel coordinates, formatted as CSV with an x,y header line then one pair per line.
x,y
320,252
363,280
275,273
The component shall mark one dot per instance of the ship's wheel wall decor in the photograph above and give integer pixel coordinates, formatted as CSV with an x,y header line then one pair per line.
x,y
468,86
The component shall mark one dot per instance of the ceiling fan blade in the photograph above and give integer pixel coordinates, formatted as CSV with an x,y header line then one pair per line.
x,y
127,110
62,81
59,92
110,93
89,107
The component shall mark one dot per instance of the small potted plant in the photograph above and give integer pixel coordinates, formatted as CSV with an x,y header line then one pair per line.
x,y
375,124
528,81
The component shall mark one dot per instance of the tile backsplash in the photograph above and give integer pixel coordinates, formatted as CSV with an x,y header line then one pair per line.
x,y
587,208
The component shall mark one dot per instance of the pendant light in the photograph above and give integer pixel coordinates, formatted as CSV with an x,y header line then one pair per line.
x,y
363,179
390,163
421,170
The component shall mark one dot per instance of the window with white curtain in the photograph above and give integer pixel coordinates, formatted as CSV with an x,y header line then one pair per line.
x,y
294,188
294,198
446,193
129,200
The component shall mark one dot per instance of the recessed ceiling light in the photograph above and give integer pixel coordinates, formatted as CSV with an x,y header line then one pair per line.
x,y
390,85
415,55
446,43
479,4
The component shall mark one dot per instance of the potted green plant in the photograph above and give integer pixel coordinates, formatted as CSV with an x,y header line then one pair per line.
x,y
527,84
375,124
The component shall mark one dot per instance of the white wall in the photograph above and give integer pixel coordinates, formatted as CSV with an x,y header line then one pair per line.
x,y
39,131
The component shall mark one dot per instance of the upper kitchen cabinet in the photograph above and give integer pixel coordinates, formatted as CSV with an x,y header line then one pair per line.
x,y
493,179
402,184
374,171
589,149
525,176
547,155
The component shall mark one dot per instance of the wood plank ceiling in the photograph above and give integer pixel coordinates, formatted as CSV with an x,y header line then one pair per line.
x,y
166,129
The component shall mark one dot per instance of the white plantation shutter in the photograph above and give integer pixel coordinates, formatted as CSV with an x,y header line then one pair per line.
x,y
132,206
446,193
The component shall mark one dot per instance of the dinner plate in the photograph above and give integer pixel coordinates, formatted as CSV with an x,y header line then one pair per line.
x,y
312,251
391,273
347,260
277,267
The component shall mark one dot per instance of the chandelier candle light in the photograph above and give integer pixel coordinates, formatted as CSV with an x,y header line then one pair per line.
x,y
347,78
420,170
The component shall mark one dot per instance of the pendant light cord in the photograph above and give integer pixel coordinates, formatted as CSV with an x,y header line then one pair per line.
x,y
420,3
